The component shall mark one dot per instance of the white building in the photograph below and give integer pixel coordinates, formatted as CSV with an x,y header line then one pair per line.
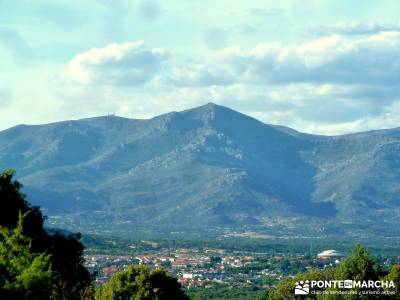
x,y
330,254
187,276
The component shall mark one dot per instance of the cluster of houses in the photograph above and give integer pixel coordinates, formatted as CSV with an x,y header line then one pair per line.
x,y
193,267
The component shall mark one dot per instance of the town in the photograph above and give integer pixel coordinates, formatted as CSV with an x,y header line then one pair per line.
x,y
205,267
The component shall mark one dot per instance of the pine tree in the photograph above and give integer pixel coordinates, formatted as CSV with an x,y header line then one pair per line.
x,y
24,274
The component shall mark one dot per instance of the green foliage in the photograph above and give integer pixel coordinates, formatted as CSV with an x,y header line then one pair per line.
x,y
13,202
215,259
285,289
166,264
394,275
223,291
24,275
31,257
358,267
72,278
137,282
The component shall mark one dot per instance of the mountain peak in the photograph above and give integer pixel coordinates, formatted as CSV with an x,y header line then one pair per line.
x,y
210,109
204,167
210,104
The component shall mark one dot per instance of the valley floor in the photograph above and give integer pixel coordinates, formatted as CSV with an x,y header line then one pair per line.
x,y
216,272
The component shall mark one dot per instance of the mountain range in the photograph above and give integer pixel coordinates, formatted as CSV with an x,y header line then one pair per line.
x,y
206,170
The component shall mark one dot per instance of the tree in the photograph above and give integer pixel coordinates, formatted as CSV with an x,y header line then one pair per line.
x,y
12,202
215,259
138,282
72,279
394,275
285,289
65,252
23,274
360,266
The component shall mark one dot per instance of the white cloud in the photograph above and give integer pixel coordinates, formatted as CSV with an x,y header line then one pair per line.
x,y
334,84
329,85
388,119
125,64
353,28
372,60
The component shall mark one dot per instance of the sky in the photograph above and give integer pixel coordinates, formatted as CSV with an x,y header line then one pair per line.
x,y
323,67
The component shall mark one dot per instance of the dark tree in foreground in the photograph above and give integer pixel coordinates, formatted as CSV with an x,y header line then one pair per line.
x,y
12,202
70,278
138,282
23,274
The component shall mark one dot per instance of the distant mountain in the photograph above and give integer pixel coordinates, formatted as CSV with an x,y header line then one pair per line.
x,y
206,169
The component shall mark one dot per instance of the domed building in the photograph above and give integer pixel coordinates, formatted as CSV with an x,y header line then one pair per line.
x,y
331,254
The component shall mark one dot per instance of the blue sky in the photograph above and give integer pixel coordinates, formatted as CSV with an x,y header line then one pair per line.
x,y
326,67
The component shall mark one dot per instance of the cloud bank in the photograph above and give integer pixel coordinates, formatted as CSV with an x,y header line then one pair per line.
x,y
373,60
342,78
124,64
353,28
331,84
